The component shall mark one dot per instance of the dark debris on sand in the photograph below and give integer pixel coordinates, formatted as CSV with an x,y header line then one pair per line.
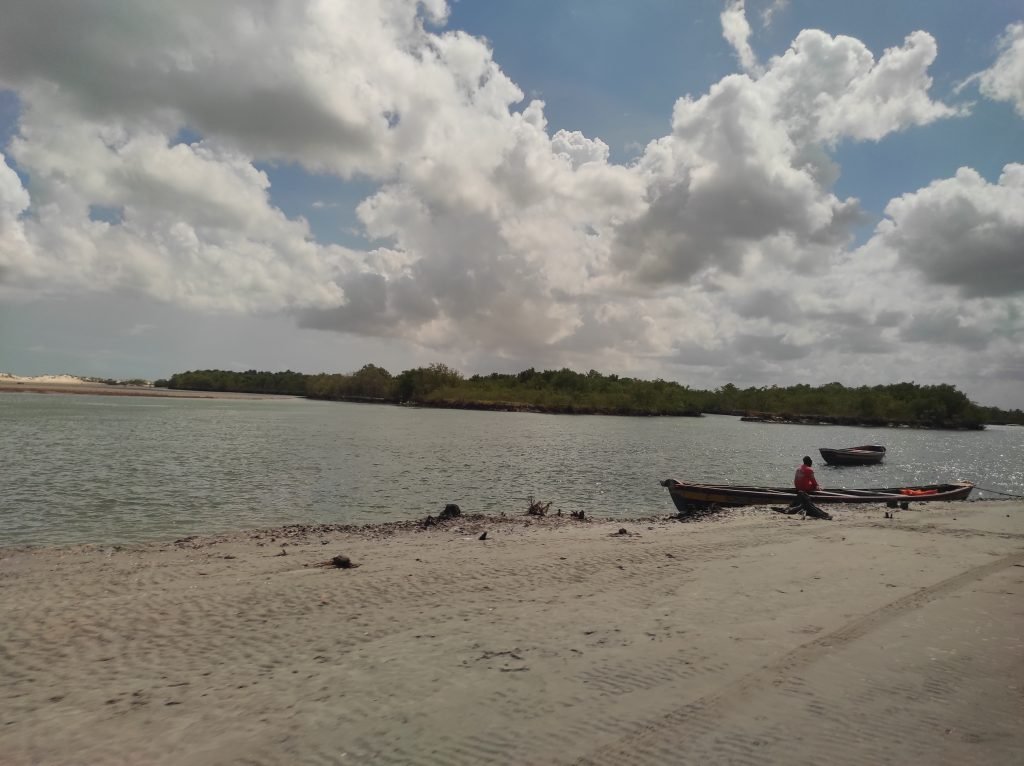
x,y
460,523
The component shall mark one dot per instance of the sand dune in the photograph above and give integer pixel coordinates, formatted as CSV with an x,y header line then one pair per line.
x,y
64,380
757,639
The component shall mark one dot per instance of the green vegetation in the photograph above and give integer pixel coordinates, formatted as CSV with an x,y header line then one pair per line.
x,y
570,392
940,406
249,382
996,416
566,391
128,382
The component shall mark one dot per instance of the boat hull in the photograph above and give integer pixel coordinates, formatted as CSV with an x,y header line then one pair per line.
x,y
688,497
868,455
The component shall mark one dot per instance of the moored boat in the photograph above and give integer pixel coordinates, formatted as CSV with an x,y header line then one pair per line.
x,y
689,497
868,454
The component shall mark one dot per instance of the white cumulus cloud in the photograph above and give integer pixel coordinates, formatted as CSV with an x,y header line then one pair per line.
x,y
1004,80
963,231
736,31
746,173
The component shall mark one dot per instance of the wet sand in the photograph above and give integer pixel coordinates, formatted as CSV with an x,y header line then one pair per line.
x,y
753,639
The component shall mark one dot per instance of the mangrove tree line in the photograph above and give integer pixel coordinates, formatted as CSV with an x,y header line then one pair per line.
x,y
567,391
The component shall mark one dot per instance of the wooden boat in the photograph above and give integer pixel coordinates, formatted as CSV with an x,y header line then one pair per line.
x,y
869,454
688,497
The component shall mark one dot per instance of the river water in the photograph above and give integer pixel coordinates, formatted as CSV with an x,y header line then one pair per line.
x,y
106,469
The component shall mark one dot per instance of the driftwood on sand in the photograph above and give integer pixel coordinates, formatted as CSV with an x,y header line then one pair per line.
x,y
803,505
537,508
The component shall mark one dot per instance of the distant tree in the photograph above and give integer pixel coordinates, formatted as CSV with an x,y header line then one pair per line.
x,y
417,384
373,382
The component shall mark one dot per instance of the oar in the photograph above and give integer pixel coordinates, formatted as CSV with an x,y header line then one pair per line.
x,y
860,491
854,493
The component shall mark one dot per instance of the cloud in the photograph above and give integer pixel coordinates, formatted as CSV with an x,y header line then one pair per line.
x,y
945,329
196,224
15,251
774,304
768,14
745,174
775,348
493,236
1011,369
832,88
736,31
140,328
1004,80
891,318
858,340
13,197
962,231
340,87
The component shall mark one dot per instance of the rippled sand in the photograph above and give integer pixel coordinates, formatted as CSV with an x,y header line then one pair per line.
x,y
753,639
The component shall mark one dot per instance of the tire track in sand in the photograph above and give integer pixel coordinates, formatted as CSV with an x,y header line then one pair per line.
x,y
655,742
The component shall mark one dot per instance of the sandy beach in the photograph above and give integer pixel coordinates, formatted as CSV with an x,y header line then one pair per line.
x,y
33,386
752,639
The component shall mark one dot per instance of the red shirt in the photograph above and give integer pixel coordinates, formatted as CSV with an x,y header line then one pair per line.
x,y
804,480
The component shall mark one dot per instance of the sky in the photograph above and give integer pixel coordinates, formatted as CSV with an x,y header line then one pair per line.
x,y
764,193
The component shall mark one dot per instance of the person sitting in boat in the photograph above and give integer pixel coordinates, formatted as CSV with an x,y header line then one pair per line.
x,y
804,480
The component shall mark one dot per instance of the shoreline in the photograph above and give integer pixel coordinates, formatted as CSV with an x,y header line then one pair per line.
x,y
476,523
102,389
753,636
468,523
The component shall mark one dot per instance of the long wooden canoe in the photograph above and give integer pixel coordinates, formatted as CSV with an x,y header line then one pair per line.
x,y
689,497
869,454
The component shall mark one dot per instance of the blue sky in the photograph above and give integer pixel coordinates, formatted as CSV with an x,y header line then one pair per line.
x,y
361,188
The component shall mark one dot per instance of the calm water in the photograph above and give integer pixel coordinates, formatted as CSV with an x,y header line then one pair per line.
x,y
118,469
